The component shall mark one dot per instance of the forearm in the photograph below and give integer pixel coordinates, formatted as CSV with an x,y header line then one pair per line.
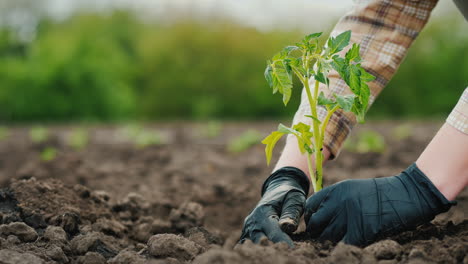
x,y
445,159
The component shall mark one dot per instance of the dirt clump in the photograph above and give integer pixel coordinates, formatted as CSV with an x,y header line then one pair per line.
x,y
21,230
91,258
8,256
188,215
55,234
385,249
94,242
127,256
171,245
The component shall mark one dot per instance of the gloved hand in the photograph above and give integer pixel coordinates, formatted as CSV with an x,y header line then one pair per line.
x,y
359,212
278,212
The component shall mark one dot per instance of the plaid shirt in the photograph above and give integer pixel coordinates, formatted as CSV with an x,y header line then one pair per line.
x,y
385,29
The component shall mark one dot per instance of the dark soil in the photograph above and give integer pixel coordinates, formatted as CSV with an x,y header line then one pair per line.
x,y
185,200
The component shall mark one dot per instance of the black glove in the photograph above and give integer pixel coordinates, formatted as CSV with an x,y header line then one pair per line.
x,y
282,204
359,212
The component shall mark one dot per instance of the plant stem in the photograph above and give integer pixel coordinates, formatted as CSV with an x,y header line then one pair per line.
x,y
317,138
318,142
311,172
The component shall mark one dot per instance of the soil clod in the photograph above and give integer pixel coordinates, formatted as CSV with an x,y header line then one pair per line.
x,y
175,246
21,230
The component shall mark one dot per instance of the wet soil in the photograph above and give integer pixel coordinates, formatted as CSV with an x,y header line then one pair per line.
x,y
185,200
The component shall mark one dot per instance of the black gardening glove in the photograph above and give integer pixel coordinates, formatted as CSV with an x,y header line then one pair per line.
x,y
359,212
282,204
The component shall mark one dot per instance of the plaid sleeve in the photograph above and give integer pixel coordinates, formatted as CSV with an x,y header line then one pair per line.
x,y
458,118
385,30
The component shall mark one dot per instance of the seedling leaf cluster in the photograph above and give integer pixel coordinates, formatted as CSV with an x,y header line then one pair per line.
x,y
311,63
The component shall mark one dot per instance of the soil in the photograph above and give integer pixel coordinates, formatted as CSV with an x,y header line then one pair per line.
x,y
185,200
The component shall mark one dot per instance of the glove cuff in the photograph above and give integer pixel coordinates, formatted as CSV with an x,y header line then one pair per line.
x,y
288,174
439,204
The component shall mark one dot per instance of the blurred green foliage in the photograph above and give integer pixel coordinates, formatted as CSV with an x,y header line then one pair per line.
x,y
244,141
48,154
78,138
4,133
211,129
141,136
402,132
38,134
366,141
108,67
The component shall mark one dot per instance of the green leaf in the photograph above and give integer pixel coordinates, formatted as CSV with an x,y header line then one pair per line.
x,y
312,36
362,91
355,79
314,118
282,80
296,63
304,136
270,142
345,101
341,66
286,130
301,127
287,50
338,43
353,54
322,78
269,75
322,100
365,76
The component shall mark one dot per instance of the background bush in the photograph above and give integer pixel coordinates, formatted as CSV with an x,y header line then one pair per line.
x,y
115,67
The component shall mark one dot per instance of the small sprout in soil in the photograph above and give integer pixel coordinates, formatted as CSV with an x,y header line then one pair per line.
x,y
244,141
48,154
38,134
4,133
141,137
311,63
148,138
78,139
401,132
211,130
366,141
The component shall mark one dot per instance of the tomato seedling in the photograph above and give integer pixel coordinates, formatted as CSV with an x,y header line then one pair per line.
x,y
311,62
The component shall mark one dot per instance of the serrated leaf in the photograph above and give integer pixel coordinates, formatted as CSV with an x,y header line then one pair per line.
x,y
270,142
365,76
338,43
345,101
287,50
312,36
340,65
362,101
279,56
314,118
355,79
296,63
304,136
322,78
282,80
269,75
353,54
324,66
301,127
323,100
